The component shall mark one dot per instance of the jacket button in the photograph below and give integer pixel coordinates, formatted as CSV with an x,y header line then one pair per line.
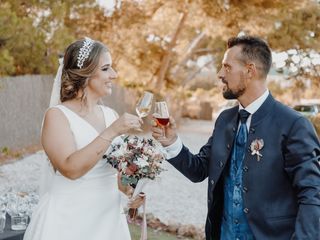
x,y
209,201
104,156
212,182
221,164
233,129
245,168
252,130
246,210
245,190
228,146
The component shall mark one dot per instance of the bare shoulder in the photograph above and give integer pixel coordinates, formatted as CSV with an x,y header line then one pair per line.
x,y
57,138
55,117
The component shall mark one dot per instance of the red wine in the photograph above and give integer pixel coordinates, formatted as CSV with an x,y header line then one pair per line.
x,y
163,121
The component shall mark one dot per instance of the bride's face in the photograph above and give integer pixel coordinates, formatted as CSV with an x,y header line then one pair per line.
x,y
101,81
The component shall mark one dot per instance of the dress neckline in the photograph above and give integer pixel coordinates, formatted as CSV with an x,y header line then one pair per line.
x,y
84,120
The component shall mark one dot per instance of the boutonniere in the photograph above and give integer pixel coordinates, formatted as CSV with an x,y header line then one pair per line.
x,y
255,147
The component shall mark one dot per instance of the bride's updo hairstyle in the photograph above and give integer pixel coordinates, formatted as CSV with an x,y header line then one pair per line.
x,y
79,63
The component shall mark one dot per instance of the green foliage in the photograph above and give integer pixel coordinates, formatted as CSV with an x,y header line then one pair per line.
x,y
297,28
33,33
152,234
6,63
5,151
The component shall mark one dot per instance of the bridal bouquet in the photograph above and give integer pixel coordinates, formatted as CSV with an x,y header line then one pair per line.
x,y
136,158
139,160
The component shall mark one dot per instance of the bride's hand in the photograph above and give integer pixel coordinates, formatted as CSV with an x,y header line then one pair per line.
x,y
126,189
137,201
126,123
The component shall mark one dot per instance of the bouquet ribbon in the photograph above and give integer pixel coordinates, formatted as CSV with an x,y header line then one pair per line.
x,y
144,219
138,192
133,213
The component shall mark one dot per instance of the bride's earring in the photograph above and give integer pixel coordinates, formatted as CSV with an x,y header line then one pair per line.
x,y
84,96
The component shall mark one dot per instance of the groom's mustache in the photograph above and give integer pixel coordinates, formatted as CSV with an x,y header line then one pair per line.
x,y
223,80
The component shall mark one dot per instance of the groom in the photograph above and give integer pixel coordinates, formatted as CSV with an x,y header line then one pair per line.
x,y
262,160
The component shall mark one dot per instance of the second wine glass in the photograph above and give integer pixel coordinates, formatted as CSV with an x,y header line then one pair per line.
x,y
144,104
161,114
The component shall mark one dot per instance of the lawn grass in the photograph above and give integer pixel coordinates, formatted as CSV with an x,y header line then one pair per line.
x,y
152,234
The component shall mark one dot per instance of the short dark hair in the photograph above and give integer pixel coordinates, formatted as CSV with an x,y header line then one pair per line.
x,y
254,49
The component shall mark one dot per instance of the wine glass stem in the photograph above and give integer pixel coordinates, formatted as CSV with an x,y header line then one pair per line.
x,y
163,131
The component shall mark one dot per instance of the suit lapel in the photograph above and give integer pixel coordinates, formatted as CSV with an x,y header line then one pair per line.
x,y
227,139
263,111
232,127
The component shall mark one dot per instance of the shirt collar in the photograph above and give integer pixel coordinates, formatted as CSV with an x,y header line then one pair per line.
x,y
256,104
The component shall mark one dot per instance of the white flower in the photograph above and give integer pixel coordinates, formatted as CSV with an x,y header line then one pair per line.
x,y
123,165
142,162
139,145
149,151
131,141
119,152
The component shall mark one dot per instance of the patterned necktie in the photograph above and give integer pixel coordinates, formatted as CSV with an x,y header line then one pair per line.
x,y
241,138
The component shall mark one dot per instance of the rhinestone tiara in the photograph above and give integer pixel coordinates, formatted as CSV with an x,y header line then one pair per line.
x,y
84,51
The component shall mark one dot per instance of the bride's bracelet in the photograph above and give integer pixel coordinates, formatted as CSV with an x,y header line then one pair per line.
x,y
105,139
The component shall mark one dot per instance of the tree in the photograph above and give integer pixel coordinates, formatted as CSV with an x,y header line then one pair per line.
x,y
142,34
152,45
32,34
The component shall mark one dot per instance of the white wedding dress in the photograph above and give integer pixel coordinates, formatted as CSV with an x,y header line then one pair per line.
x,y
88,208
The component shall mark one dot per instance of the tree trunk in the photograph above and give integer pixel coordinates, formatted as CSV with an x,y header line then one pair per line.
x,y
168,55
191,50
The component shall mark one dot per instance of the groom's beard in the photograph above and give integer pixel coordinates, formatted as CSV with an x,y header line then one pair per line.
x,y
229,94
233,94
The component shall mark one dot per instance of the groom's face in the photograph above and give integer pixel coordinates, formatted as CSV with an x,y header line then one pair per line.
x,y
233,74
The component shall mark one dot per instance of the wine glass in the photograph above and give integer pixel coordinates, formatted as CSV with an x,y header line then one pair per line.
x,y
161,114
144,104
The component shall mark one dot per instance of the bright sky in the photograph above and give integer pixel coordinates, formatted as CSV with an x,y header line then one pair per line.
x,y
109,4
279,59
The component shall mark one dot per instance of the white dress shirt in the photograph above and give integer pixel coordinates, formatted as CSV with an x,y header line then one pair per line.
x,y
174,149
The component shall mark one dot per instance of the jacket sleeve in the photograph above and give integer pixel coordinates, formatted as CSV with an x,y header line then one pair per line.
x,y
193,166
302,156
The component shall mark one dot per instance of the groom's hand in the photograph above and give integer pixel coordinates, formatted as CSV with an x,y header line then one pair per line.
x,y
166,135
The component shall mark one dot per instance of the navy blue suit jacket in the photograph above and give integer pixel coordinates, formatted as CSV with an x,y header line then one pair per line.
x,y
281,192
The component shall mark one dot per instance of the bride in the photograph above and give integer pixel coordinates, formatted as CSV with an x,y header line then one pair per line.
x,y
81,199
